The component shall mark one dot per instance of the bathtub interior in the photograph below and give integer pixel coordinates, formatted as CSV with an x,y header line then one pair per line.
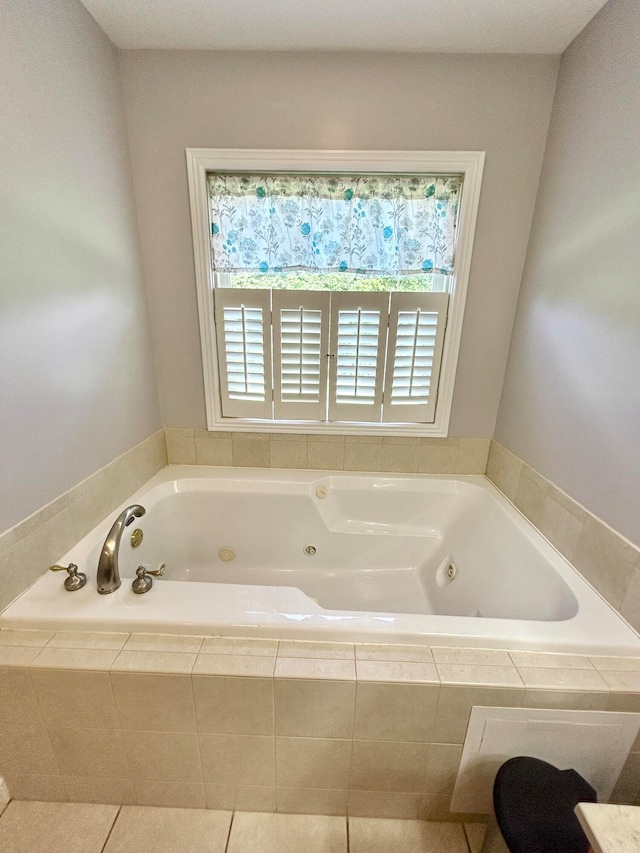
x,y
382,545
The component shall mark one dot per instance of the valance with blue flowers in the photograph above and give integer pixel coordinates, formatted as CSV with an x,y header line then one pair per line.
x,y
374,224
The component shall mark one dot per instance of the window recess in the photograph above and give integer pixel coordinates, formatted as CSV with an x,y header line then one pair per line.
x,y
331,286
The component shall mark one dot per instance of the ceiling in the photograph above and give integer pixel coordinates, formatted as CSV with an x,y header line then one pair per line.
x,y
429,26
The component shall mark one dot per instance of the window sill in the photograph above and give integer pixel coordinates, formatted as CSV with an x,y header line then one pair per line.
x,y
334,428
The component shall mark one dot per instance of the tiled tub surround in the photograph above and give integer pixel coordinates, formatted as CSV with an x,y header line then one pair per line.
x,y
27,549
262,725
384,547
328,452
606,559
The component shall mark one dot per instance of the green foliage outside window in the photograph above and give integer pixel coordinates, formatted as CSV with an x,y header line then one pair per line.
x,y
331,281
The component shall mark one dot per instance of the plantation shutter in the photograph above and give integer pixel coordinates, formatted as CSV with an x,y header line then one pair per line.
x,y
300,347
357,349
243,332
417,324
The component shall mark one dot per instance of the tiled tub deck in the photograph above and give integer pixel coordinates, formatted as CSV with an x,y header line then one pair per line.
x,y
261,725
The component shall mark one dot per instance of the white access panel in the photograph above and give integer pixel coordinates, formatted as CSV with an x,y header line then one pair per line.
x,y
595,743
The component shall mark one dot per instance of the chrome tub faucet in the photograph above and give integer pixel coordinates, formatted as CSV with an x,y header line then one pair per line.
x,y
108,571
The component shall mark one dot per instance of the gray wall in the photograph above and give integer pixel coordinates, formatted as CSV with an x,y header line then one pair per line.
x,y
176,99
571,400
77,384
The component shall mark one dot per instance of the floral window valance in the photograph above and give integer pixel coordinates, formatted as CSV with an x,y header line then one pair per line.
x,y
388,225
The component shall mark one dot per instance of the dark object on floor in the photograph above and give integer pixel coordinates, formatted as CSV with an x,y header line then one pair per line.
x,y
534,804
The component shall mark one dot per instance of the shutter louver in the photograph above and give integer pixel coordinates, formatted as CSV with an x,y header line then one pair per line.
x,y
300,345
416,335
358,338
243,329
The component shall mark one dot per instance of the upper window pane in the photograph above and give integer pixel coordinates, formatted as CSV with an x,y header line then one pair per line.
x,y
303,280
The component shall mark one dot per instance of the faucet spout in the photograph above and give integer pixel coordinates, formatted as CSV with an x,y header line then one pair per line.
x,y
108,571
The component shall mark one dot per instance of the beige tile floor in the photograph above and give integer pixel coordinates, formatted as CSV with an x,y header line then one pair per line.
x,y
32,827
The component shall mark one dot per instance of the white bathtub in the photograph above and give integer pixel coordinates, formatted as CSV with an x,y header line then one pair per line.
x,y
385,547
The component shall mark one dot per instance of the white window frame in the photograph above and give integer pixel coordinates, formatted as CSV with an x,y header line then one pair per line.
x,y
200,161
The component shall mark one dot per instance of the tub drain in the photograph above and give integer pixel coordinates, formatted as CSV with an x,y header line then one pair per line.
x,y
309,550
227,553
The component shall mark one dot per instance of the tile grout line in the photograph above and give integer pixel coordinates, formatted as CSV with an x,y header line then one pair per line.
x,y
197,731
274,727
353,737
466,837
347,823
120,730
46,730
226,846
106,841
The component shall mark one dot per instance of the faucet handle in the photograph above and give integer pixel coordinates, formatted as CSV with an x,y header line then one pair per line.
x,y
76,579
143,582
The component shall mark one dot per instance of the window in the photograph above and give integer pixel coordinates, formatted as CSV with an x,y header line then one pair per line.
x,y
330,292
